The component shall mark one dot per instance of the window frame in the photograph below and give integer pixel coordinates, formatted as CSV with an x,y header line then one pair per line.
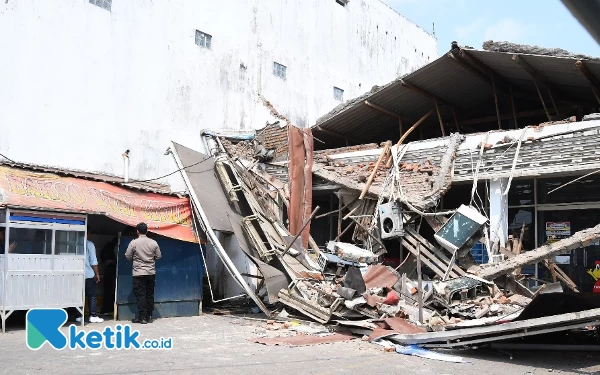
x,y
206,39
102,4
336,91
279,70
53,227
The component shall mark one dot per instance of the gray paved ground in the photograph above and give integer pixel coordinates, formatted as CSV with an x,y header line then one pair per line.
x,y
219,345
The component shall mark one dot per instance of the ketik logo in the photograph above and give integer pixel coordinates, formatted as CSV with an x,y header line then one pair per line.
x,y
43,325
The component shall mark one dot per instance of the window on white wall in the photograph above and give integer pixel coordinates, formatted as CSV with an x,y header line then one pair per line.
x,y
203,39
279,70
338,94
104,4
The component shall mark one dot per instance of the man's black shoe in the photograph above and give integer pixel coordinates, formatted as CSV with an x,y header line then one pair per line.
x,y
149,319
136,320
143,321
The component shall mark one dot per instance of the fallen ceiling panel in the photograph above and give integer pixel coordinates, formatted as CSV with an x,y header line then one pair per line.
x,y
201,174
196,187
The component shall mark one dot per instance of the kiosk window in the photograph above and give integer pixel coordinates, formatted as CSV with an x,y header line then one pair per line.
x,y
69,242
31,241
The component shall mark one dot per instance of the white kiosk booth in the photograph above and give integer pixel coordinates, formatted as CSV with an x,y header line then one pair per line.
x,y
42,260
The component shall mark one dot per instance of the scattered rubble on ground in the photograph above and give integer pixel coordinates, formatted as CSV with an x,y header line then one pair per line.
x,y
344,287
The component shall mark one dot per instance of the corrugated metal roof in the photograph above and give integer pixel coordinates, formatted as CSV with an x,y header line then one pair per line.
x,y
451,82
146,186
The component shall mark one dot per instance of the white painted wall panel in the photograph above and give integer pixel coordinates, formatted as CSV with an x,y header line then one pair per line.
x,y
80,85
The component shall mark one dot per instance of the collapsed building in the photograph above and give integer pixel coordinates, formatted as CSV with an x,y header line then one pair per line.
x,y
464,227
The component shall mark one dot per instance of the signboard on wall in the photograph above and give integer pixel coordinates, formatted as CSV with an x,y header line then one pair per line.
x,y
166,215
556,231
559,229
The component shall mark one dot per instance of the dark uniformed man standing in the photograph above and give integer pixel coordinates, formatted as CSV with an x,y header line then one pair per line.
x,y
143,252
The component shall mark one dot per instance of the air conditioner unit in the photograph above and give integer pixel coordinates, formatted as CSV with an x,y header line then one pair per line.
x,y
461,227
390,220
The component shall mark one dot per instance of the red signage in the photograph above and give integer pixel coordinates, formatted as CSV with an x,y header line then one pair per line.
x,y
165,215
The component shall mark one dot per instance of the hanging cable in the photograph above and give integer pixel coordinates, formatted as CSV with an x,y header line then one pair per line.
x,y
575,180
9,159
172,173
514,165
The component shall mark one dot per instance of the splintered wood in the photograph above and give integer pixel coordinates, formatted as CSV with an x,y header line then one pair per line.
x,y
579,240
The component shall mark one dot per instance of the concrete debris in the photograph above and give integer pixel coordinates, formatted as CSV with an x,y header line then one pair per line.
x,y
591,116
508,47
350,286
439,183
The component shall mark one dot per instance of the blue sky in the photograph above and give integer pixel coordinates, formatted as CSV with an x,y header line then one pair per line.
x,y
546,23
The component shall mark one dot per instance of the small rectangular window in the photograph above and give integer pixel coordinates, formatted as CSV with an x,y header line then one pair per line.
x,y
30,241
104,4
338,94
69,242
342,2
279,70
203,39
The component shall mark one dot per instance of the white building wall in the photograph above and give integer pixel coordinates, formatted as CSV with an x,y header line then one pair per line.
x,y
79,84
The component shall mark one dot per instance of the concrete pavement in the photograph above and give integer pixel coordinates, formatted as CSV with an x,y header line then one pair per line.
x,y
212,344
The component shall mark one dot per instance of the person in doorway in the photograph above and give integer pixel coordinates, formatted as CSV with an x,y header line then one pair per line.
x,y
92,277
143,252
108,256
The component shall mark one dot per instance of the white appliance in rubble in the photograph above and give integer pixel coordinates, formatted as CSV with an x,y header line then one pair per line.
x,y
461,227
390,220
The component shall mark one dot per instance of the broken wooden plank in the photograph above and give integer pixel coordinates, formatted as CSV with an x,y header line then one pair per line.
x,y
435,251
386,149
579,240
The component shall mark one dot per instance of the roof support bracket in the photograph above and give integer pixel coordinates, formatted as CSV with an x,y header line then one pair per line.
x,y
594,83
538,79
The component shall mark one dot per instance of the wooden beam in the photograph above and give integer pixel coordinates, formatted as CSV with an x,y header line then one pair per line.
x,y
593,81
514,111
339,221
381,109
336,134
384,152
535,75
437,108
425,93
496,102
455,120
537,78
486,119
391,159
542,100
416,124
469,68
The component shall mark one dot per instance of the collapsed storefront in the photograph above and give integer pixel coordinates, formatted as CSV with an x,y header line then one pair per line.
x,y
46,213
461,232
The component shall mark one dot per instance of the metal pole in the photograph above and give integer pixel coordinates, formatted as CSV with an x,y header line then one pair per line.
x,y
339,221
5,275
300,231
420,283
84,258
115,305
535,226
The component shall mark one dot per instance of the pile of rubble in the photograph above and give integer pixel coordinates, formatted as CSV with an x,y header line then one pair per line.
x,y
345,285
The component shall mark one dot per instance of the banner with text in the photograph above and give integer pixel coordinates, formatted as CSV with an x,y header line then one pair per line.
x,y
165,215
